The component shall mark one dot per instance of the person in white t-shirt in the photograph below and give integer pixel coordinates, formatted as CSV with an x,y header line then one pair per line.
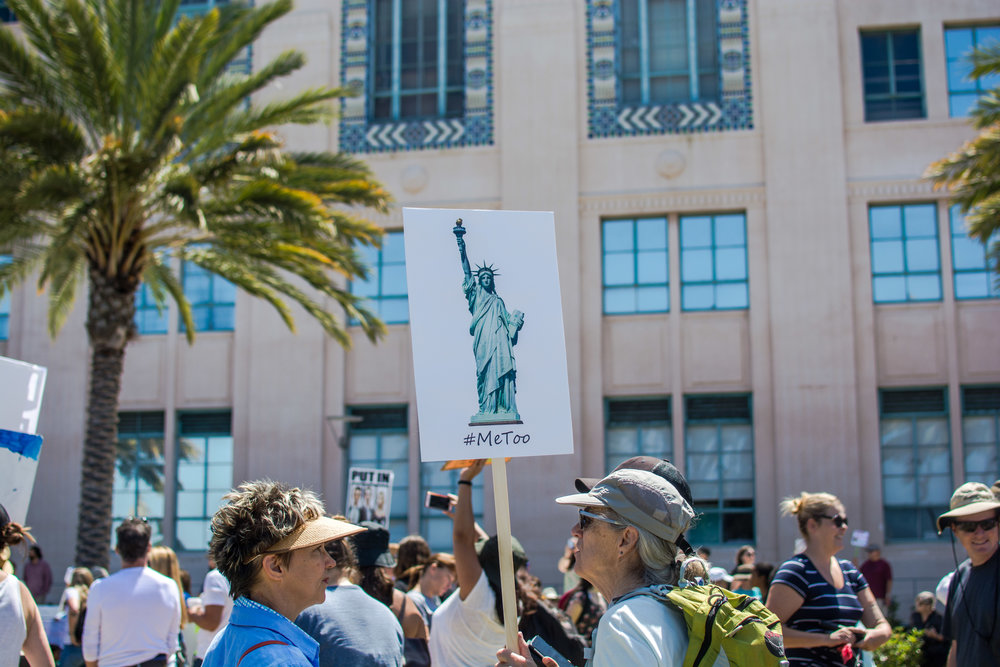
x,y
468,626
133,616
211,612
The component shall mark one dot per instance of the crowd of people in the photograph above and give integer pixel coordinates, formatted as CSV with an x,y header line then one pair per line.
x,y
290,585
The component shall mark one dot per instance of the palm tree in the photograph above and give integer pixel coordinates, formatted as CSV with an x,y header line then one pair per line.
x,y
128,144
972,173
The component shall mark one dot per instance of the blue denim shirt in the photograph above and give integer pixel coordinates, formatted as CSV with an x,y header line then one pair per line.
x,y
252,623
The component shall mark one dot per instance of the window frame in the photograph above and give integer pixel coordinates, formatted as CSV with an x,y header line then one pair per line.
x,y
989,269
714,248
692,48
211,305
442,62
145,304
903,239
377,301
398,510
641,426
142,460
636,286
5,303
992,413
978,89
894,97
926,512
210,501
719,506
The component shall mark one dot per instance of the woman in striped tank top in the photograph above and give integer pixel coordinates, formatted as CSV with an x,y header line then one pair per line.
x,y
819,598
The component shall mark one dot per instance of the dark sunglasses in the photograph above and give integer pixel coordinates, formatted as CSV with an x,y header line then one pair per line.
x,y
587,518
970,526
838,521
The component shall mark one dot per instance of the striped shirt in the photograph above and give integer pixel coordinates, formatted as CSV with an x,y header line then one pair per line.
x,y
824,608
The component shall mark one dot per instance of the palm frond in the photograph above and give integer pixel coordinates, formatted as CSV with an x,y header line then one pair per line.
x,y
64,282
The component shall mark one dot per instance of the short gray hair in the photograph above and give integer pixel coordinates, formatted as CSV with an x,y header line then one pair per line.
x,y
658,556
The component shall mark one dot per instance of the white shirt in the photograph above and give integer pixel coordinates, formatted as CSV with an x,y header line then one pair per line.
x,y
13,629
466,633
642,631
132,616
214,593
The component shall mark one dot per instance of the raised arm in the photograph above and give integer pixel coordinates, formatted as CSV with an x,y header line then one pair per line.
x,y
464,534
459,232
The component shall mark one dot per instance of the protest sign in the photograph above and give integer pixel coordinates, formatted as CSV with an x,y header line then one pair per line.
x,y
369,495
489,350
21,388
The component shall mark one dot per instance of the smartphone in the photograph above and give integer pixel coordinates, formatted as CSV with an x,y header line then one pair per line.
x,y
438,501
540,648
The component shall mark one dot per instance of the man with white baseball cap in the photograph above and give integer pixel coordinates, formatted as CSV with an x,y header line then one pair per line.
x,y
970,620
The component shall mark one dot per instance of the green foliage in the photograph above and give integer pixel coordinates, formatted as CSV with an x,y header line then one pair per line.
x,y
904,649
128,144
124,135
972,173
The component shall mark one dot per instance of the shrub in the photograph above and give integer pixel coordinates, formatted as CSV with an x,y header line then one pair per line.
x,y
905,648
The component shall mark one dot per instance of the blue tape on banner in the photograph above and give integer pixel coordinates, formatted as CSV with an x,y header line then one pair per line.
x,y
25,444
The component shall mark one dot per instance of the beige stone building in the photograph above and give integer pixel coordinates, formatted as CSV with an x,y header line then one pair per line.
x,y
756,281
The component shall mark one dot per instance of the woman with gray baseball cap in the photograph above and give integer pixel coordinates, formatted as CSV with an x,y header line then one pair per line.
x,y
626,540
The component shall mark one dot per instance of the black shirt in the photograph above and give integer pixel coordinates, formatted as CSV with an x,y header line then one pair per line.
x,y
970,619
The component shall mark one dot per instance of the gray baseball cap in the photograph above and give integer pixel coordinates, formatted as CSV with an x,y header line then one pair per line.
x,y
642,498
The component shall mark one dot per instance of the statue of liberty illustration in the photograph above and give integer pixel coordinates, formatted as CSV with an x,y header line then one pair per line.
x,y
494,333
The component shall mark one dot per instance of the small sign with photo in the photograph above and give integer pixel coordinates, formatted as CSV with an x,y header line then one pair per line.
x,y
369,495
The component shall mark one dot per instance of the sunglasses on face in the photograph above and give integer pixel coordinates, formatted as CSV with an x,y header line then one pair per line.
x,y
970,526
838,521
586,518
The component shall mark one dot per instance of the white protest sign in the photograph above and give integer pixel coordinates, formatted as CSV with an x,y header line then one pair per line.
x,y
21,388
859,538
489,350
369,495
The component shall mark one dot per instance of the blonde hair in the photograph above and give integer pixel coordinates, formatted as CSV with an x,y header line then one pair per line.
x,y
164,561
807,506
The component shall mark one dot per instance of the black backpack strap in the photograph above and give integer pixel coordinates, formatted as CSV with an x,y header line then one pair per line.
x,y
257,646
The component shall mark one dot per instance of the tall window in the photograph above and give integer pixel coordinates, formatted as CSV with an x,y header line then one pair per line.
x,y
981,433
714,262
380,440
718,447
138,486
636,427
635,265
434,525
419,62
148,318
668,51
906,264
5,306
212,299
6,16
385,288
975,273
204,474
963,90
893,81
916,461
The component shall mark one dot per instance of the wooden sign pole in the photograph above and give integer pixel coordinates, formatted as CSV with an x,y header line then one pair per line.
x,y
501,502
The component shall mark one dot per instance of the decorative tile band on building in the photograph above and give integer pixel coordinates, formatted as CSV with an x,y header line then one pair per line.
x,y
358,134
608,117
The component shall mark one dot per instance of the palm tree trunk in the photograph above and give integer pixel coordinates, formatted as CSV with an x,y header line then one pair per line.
x,y
110,326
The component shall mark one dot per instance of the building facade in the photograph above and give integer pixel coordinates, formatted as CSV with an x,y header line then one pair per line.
x,y
757,282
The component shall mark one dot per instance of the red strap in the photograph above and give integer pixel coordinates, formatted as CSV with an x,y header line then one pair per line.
x,y
257,646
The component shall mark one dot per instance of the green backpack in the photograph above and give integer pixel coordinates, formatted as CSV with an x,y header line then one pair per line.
x,y
718,619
